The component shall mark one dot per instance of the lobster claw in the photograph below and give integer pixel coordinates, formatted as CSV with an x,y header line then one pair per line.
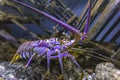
x,y
15,58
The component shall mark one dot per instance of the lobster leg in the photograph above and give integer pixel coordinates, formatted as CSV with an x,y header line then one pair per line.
x,y
66,55
59,56
73,59
61,65
43,51
48,60
30,60
75,62
60,60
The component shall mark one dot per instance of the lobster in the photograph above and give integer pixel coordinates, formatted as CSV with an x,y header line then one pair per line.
x,y
49,48
52,48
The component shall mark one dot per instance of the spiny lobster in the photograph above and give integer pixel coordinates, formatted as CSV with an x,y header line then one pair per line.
x,y
48,48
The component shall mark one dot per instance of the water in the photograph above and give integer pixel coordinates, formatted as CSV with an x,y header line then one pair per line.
x,y
77,5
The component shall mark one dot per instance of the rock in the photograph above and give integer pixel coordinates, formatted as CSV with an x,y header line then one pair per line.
x,y
107,71
16,71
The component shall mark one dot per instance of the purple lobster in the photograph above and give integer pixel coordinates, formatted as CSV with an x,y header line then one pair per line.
x,y
48,48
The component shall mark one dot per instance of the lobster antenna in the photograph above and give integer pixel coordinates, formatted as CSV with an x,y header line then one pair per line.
x,y
87,21
72,29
